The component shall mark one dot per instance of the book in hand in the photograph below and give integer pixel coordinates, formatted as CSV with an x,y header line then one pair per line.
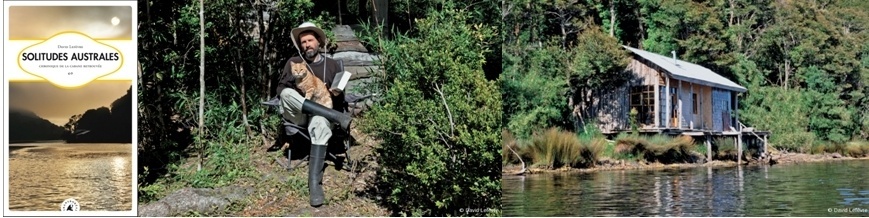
x,y
341,80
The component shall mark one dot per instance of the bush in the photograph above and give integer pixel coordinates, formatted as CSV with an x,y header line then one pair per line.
x,y
533,87
783,112
635,129
439,119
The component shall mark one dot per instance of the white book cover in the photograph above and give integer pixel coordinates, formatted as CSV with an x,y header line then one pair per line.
x,y
69,131
341,80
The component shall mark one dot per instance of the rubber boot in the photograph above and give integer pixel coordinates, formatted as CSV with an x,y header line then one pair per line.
x,y
315,174
311,107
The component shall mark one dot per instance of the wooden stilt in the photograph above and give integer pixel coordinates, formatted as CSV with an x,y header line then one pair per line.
x,y
739,148
708,148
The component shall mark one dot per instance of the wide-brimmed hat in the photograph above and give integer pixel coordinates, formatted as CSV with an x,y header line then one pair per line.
x,y
308,26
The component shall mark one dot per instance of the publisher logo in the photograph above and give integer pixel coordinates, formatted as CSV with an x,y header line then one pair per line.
x,y
69,205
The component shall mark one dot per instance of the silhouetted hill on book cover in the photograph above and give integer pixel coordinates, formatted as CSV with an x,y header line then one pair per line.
x,y
25,126
103,125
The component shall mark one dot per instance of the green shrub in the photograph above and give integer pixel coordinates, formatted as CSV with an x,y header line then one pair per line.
x,y
700,149
786,116
533,86
438,120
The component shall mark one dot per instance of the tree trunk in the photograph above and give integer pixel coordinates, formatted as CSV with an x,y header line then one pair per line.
x,y
732,8
240,69
563,36
642,29
612,17
787,73
201,79
263,42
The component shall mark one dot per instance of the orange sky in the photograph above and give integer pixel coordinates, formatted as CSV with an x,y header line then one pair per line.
x,y
58,104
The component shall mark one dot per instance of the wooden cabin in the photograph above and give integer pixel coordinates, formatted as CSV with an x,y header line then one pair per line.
x,y
671,94
675,97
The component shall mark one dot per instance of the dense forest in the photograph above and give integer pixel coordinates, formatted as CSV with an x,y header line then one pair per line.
x,y
805,63
25,126
455,75
103,124
247,42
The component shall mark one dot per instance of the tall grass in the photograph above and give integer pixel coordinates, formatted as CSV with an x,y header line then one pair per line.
x,y
852,148
555,148
658,148
857,148
510,142
726,148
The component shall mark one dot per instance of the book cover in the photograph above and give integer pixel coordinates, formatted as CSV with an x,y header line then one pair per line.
x,y
341,80
69,108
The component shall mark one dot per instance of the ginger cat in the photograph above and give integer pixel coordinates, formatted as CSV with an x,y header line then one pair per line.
x,y
310,86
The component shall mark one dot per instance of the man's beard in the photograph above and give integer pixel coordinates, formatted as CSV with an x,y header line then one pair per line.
x,y
310,54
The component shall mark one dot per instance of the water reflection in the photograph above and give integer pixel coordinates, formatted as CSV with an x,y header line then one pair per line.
x,y
783,190
98,176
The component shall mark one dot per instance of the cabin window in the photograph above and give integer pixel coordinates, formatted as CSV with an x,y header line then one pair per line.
x,y
643,99
694,101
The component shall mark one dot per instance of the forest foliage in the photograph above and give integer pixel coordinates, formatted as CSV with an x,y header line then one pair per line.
x,y
805,63
436,57
439,118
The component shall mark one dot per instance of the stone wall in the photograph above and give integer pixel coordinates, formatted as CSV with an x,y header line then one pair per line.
x,y
357,60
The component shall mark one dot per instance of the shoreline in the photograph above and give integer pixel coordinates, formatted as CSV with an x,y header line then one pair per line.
x,y
35,141
619,165
13,147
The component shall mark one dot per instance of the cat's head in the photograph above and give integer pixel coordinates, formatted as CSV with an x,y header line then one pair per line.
x,y
300,70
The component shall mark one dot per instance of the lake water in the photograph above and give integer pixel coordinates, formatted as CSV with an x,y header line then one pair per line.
x,y
43,175
837,188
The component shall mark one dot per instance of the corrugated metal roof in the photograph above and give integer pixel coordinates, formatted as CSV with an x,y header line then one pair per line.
x,y
688,71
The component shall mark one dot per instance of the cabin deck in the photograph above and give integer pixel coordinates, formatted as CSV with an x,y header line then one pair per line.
x,y
748,137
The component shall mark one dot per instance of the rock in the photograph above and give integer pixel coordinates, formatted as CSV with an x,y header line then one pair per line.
x,y
361,72
837,155
156,209
354,46
354,58
200,200
346,39
344,33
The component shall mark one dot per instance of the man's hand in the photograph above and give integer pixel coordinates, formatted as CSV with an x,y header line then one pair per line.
x,y
335,91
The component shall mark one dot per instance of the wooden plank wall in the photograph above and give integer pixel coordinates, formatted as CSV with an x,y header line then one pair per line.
x,y
612,108
706,105
720,106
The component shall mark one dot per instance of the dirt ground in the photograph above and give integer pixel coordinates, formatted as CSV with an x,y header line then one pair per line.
x,y
285,193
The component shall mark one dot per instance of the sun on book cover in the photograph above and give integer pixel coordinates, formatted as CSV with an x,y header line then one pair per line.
x,y
69,71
